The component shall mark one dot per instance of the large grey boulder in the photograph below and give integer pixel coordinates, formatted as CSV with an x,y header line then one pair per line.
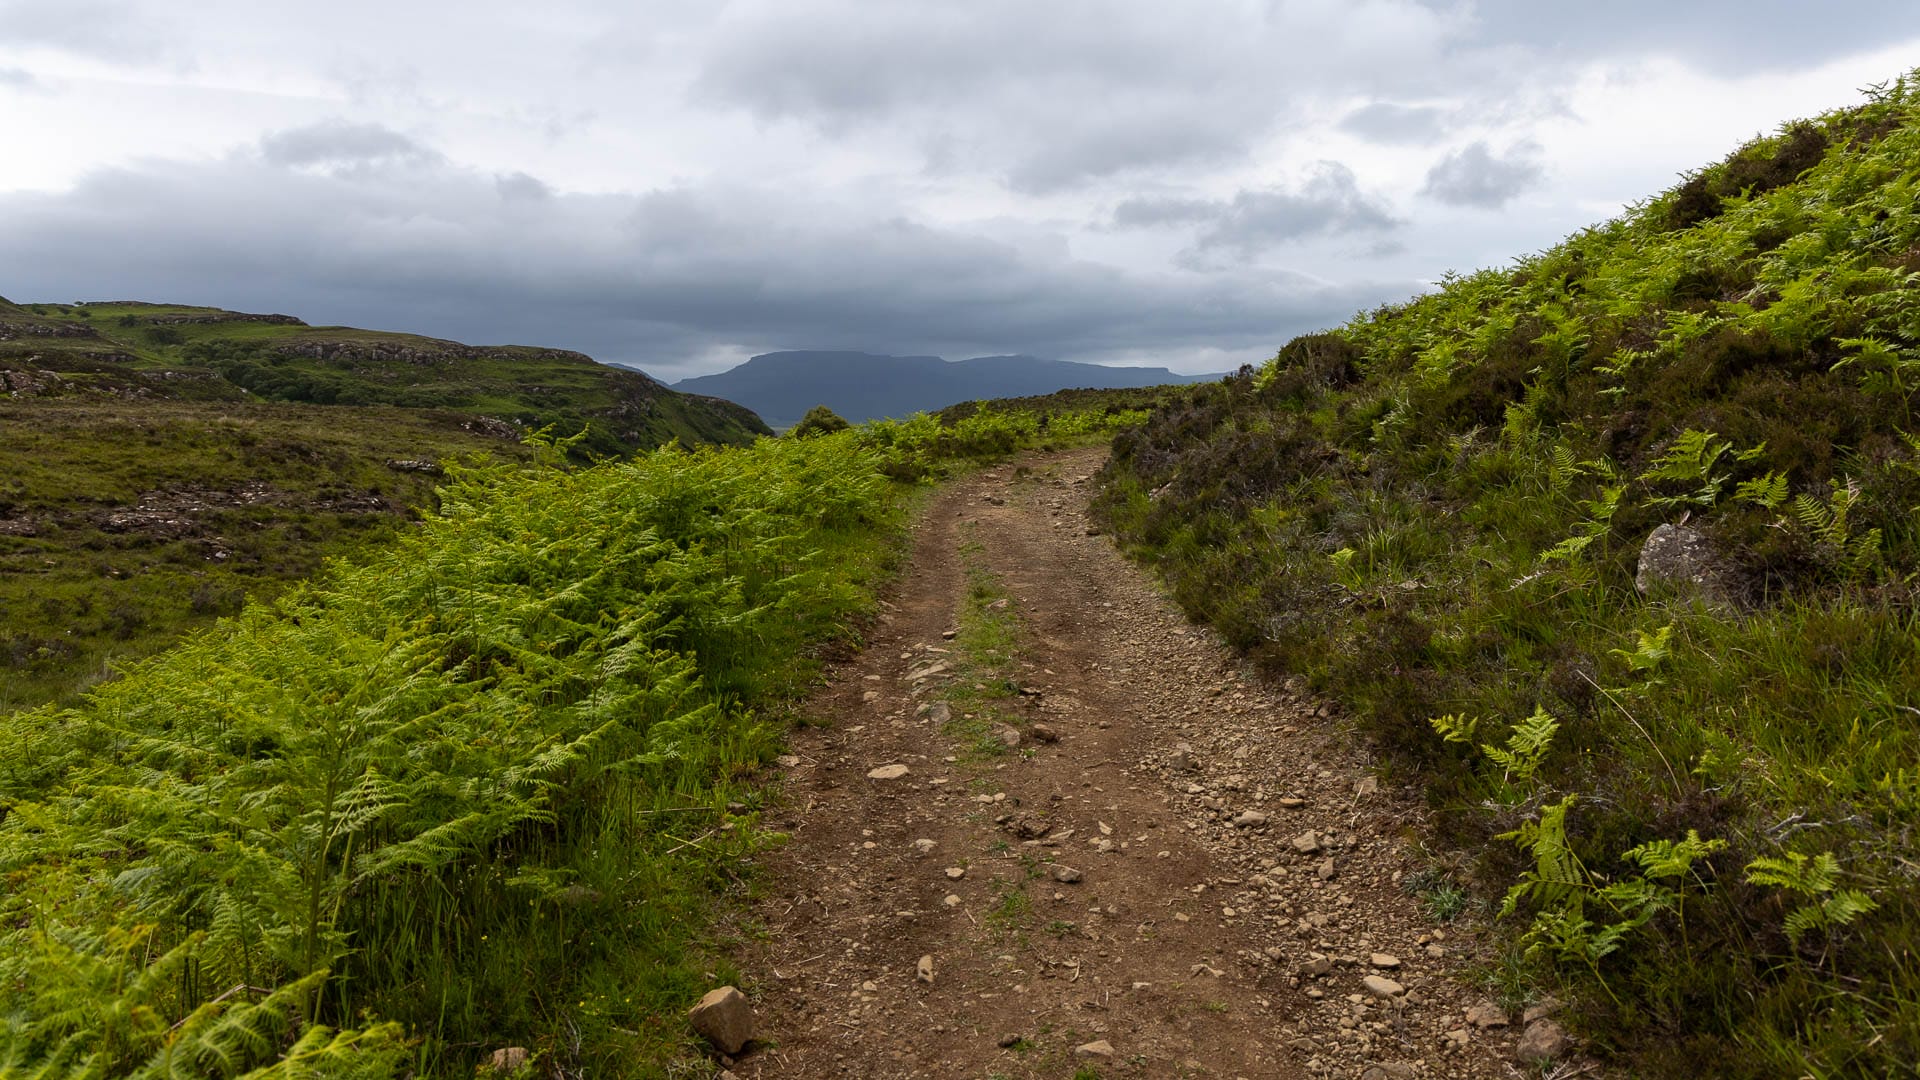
x,y
1681,557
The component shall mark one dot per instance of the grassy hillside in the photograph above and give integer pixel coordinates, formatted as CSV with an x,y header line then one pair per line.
x,y
146,351
161,463
1702,788
478,789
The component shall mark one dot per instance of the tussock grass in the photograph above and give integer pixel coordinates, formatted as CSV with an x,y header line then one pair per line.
x,y
1437,511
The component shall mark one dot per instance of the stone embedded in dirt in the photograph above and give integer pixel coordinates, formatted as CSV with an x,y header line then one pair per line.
x,y
940,713
955,873
922,674
1386,961
1181,760
1367,785
787,761
1316,965
1540,1010
1099,1050
925,845
1290,803
924,970
724,1019
1307,843
1488,1015
1543,1040
952,900
1066,875
888,772
1249,818
1325,870
1001,604
1382,987
1006,735
1045,733
1027,827
1390,1070
509,1058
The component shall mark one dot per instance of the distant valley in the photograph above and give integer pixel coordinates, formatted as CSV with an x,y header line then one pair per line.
x,y
782,386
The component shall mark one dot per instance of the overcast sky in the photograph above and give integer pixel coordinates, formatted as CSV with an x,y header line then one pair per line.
x,y
679,184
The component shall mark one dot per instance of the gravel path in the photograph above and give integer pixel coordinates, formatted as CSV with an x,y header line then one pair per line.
x,y
1200,877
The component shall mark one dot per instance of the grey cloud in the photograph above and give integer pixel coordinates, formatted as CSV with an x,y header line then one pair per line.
x,y
1254,222
1386,122
1474,176
18,79
1724,39
520,186
650,279
104,29
341,144
1054,95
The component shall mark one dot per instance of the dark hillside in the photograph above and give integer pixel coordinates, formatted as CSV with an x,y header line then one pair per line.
x,y
1615,550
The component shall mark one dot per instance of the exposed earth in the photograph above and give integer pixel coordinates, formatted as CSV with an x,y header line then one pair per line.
x,y
1195,875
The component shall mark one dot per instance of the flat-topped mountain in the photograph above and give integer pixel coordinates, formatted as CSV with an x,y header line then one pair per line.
x,y
782,386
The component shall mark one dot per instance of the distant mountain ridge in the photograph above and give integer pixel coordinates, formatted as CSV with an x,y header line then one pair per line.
x,y
782,386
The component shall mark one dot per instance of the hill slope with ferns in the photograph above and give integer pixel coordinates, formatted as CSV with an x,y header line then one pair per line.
x,y
1615,550
163,462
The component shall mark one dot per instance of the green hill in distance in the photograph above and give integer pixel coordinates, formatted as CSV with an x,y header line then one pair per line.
x,y
160,463
130,349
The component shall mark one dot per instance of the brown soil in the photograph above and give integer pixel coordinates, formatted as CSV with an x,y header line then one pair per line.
x,y
1190,945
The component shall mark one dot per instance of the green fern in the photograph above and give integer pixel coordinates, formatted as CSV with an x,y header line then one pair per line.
x,y
1649,653
1527,746
1824,906
1694,459
1767,491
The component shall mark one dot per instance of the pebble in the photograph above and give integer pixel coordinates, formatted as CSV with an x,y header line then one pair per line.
x,y
888,772
1382,987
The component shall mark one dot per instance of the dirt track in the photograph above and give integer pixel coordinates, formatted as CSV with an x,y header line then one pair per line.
x,y
1192,945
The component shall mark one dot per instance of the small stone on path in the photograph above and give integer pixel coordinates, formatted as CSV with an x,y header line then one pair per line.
x,y
888,772
1307,843
724,1019
956,872
924,970
1382,987
1100,1050
1066,874
1384,960
1543,1040
1488,1015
